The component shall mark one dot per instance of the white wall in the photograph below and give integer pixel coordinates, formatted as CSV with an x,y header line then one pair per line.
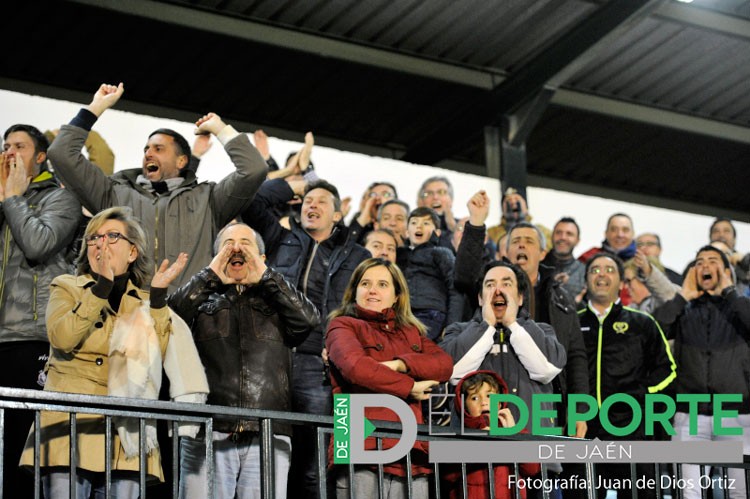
x,y
682,233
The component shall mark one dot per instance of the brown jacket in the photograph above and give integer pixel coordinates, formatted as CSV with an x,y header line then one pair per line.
x,y
80,326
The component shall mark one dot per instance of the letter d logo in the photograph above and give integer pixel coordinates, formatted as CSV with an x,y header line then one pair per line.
x,y
361,428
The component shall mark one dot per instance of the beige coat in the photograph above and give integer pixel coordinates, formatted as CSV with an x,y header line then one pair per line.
x,y
80,341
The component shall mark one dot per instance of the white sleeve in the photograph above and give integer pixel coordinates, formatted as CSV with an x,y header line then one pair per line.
x,y
533,359
474,357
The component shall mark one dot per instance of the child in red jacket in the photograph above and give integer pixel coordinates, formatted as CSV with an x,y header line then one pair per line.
x,y
475,388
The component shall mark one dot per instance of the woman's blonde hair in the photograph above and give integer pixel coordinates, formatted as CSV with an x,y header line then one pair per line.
x,y
402,307
140,268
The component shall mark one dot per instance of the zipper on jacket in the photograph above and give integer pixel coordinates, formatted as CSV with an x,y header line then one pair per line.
x,y
156,235
6,257
309,266
33,292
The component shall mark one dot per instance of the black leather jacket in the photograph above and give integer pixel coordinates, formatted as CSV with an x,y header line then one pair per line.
x,y
244,337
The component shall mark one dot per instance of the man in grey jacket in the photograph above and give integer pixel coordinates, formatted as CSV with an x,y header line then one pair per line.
x,y
38,221
178,213
502,338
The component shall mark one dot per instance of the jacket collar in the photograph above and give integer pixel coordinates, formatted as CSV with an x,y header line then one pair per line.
x,y
87,280
387,316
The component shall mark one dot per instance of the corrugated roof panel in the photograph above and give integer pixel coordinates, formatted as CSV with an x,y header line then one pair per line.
x,y
538,32
739,8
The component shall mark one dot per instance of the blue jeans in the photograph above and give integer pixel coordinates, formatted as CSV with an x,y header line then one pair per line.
x,y
311,394
56,484
236,467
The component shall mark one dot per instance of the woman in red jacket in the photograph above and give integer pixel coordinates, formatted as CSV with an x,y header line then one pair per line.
x,y
376,345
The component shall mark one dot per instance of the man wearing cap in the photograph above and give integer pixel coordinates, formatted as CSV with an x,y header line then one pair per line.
x,y
178,213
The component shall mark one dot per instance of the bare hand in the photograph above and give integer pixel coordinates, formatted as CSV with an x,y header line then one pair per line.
x,y
505,418
422,389
641,261
562,277
581,429
725,281
210,123
201,145
256,267
104,263
261,143
297,186
219,264
18,179
479,208
690,289
397,365
346,206
488,314
168,273
450,220
306,152
580,296
365,215
105,97
324,356
511,309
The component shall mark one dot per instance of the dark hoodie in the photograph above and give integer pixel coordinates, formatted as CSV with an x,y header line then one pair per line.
x,y
477,478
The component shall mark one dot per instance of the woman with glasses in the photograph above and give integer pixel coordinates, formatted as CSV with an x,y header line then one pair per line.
x,y
106,299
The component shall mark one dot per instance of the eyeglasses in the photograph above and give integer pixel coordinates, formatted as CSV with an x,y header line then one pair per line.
x,y
599,270
439,192
112,238
386,194
646,243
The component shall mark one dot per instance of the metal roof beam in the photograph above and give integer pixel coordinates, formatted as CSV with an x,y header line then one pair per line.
x,y
473,77
294,39
549,68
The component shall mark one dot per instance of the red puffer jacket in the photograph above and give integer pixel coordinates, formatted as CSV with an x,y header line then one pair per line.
x,y
357,345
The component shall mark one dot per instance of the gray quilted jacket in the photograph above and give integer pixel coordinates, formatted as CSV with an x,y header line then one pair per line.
x,y
35,231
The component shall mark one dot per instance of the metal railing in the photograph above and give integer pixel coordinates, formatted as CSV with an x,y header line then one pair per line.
x,y
184,413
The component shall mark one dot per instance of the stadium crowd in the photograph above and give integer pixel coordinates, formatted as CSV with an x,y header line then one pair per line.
x,y
259,279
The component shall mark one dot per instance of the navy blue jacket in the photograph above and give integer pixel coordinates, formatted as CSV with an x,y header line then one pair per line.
x,y
289,251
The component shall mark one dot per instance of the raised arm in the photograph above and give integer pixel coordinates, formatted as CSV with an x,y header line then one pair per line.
x,y
81,176
235,191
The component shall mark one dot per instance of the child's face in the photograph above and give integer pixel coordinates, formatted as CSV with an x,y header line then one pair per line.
x,y
420,230
478,401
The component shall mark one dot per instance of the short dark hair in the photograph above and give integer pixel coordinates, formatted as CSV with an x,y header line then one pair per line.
x,y
390,186
523,283
183,148
41,144
402,204
607,254
724,257
609,220
527,225
474,382
327,186
719,220
424,211
383,230
569,220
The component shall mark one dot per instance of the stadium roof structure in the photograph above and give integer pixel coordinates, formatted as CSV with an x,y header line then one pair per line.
x,y
640,100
